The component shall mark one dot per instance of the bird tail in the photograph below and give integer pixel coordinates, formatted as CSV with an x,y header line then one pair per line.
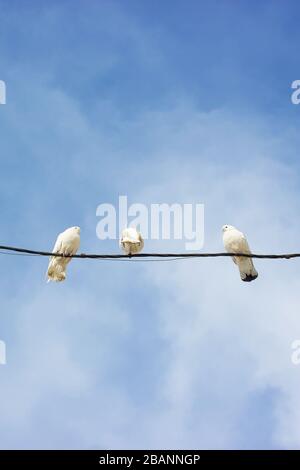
x,y
130,240
56,271
247,270
249,277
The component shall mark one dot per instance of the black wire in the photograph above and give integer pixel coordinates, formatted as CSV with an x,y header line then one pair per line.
x,y
15,250
16,254
141,260
103,259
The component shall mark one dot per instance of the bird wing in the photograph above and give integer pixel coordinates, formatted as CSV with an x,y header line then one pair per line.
x,y
243,243
141,240
58,244
130,236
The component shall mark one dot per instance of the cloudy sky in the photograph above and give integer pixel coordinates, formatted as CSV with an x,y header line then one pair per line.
x,y
174,101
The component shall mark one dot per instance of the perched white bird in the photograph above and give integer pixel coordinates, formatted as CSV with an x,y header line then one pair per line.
x,y
131,241
236,242
67,243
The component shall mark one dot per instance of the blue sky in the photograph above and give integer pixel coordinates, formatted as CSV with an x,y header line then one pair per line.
x,y
170,101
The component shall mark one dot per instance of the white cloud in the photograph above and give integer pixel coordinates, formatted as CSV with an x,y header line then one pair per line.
x,y
81,351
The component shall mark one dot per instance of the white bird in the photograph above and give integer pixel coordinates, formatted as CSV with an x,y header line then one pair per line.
x,y
236,242
131,241
67,243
